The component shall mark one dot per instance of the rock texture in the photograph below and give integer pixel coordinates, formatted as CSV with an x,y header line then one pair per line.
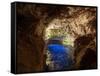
x,y
85,52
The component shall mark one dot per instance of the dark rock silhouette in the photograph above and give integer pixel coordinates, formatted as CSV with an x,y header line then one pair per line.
x,y
85,52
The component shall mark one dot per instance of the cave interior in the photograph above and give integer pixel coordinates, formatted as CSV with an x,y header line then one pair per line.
x,y
55,37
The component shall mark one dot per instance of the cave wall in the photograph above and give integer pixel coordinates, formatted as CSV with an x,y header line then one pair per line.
x,y
30,43
86,52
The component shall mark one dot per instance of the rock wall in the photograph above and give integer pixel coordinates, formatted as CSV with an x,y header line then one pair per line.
x,y
30,43
86,52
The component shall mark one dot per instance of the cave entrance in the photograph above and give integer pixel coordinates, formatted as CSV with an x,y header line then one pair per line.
x,y
59,47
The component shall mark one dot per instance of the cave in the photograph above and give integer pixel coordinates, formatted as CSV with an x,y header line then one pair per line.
x,y
39,25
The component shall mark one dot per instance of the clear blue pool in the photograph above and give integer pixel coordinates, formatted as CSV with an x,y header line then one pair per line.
x,y
59,55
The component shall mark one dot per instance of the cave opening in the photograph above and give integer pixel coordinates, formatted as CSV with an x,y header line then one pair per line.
x,y
59,46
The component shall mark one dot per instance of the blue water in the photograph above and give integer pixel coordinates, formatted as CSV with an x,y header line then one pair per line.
x,y
59,55
57,48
